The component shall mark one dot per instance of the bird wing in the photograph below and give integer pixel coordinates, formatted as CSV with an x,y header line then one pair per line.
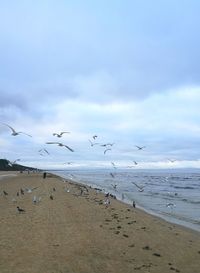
x,y
64,133
16,160
52,142
139,187
24,134
13,130
138,147
107,150
69,148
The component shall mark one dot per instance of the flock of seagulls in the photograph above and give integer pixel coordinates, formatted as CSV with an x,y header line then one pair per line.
x,y
43,151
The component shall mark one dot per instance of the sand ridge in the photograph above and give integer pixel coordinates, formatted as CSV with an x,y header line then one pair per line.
x,y
75,232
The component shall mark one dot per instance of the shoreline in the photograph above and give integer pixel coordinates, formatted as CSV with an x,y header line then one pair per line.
x,y
77,232
166,217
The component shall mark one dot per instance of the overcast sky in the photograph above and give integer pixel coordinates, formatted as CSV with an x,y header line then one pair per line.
x,y
126,71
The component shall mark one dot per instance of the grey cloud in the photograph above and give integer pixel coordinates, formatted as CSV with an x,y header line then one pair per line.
x,y
12,99
125,52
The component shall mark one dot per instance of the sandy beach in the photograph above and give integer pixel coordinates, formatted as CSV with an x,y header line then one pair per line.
x,y
70,229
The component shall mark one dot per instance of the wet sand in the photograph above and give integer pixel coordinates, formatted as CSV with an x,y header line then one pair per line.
x,y
76,232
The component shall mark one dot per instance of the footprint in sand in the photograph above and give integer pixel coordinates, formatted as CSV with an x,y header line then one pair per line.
x,y
146,248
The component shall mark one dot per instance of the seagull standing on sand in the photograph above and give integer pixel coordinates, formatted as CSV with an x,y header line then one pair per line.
x,y
34,199
14,133
20,210
61,145
61,133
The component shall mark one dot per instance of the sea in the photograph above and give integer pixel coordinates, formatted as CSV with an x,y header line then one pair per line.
x,y
173,195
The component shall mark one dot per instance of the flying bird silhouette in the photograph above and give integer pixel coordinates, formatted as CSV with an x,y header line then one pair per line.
x,y
114,186
172,160
140,148
107,144
94,137
11,163
113,176
92,143
61,145
45,150
15,133
106,151
68,163
60,134
141,188
114,166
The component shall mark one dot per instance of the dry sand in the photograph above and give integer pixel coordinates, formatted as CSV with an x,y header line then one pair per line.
x,y
77,233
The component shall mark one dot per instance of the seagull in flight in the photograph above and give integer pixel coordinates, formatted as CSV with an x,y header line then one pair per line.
x,y
61,145
60,134
92,143
107,144
114,166
114,186
45,150
141,188
140,148
68,163
30,190
11,163
113,176
172,160
106,150
135,163
14,133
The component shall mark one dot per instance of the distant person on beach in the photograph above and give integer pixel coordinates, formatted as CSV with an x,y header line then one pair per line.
x,y
134,204
107,202
44,175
